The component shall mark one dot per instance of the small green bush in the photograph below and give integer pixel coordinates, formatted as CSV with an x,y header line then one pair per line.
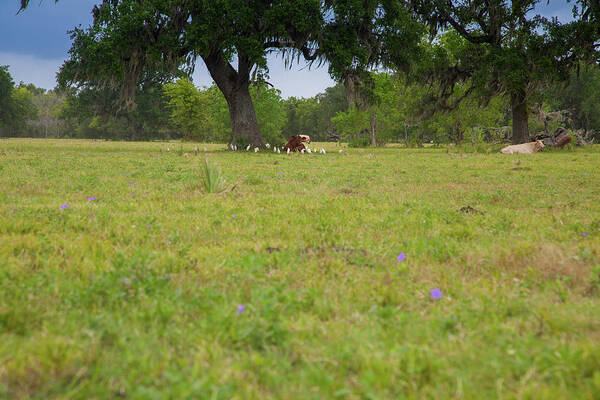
x,y
212,179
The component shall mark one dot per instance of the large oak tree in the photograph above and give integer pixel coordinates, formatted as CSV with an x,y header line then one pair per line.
x,y
507,48
130,39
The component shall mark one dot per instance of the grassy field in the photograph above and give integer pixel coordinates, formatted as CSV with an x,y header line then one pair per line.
x,y
311,279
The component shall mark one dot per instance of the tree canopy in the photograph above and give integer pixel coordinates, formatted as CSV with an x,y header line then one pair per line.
x,y
363,35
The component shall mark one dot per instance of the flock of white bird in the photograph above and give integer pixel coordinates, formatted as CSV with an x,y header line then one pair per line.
x,y
233,147
277,150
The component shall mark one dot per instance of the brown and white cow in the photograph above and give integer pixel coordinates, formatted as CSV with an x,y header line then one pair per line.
x,y
296,143
305,138
525,148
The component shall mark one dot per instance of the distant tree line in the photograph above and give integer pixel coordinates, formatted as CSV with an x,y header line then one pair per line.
x,y
398,112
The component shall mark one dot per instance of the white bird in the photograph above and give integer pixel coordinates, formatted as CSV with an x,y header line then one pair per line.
x,y
248,148
168,149
274,149
308,151
302,151
323,151
256,149
205,150
340,151
315,151
234,147
288,151
268,146
278,151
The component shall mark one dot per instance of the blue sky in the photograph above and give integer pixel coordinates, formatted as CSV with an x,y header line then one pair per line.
x,y
35,43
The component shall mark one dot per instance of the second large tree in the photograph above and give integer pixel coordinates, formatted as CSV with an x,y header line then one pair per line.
x,y
507,47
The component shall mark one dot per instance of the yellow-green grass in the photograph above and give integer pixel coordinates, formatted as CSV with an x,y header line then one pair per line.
x,y
136,294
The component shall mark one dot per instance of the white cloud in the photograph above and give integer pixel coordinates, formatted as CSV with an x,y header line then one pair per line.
x,y
31,69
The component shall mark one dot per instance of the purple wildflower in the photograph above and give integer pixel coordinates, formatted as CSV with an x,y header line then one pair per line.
x,y
131,194
585,173
241,309
148,226
401,257
407,211
92,199
436,294
132,183
66,205
234,215
585,234
280,173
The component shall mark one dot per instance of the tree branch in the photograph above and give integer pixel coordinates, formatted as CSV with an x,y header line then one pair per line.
x,y
224,75
25,3
475,39
282,44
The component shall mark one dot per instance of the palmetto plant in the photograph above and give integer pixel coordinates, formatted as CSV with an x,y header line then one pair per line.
x,y
212,180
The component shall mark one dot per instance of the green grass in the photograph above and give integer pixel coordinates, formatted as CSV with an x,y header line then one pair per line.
x,y
135,295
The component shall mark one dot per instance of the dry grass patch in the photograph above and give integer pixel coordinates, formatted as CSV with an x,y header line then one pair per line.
x,y
546,261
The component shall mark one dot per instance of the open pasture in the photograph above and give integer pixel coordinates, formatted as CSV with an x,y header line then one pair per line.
x,y
312,278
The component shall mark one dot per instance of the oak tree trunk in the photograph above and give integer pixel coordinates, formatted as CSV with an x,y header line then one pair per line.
x,y
373,141
458,133
235,86
520,118
244,124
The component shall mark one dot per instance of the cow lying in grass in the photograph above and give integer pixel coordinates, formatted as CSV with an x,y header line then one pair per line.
x,y
296,143
525,148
